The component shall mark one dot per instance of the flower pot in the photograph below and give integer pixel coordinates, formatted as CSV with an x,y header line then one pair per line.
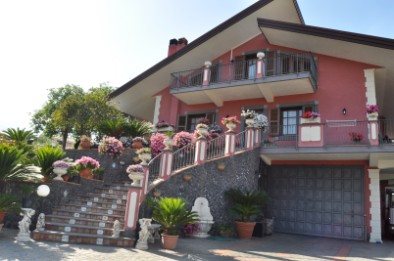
x,y
245,229
145,157
168,143
310,120
249,122
202,131
59,173
85,144
169,241
187,177
137,145
221,166
137,178
231,126
66,178
86,173
373,116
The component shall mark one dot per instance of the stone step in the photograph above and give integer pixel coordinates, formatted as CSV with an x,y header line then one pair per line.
x,y
79,221
88,215
81,229
106,196
110,192
110,205
78,238
97,198
92,209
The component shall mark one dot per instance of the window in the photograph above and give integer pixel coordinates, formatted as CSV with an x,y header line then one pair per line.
x,y
188,122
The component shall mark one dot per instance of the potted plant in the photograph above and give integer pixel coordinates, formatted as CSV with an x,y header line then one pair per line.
x,y
356,137
172,214
183,139
8,203
163,126
245,204
230,122
168,141
137,143
60,168
372,111
85,142
145,155
136,173
45,157
202,126
111,146
249,117
157,143
310,117
86,165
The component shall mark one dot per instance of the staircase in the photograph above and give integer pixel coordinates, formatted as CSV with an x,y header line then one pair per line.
x,y
88,219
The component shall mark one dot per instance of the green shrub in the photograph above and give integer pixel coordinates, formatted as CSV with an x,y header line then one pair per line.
x,y
46,156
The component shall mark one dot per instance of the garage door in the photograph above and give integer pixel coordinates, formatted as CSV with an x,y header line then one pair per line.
x,y
321,201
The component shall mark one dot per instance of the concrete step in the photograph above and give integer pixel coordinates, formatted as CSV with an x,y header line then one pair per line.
x,y
92,209
97,198
78,238
79,221
88,215
111,205
80,229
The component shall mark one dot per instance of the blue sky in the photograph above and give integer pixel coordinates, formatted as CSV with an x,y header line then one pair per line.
x,y
47,44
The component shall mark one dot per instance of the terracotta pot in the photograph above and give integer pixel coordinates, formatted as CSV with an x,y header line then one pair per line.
x,y
66,177
245,229
169,241
137,145
85,145
2,215
86,173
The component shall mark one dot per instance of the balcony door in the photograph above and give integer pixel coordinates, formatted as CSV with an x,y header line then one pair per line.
x,y
290,119
188,122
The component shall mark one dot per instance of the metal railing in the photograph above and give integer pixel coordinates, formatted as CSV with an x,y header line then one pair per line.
x,y
280,136
275,63
154,168
184,157
216,147
240,142
386,132
345,133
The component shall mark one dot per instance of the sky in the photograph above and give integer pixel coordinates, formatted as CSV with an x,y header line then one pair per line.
x,y
47,44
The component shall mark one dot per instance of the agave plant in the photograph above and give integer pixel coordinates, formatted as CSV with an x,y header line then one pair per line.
x,y
11,166
171,214
46,156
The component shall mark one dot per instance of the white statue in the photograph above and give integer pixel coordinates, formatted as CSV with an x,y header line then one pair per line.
x,y
144,233
24,224
201,206
40,226
116,229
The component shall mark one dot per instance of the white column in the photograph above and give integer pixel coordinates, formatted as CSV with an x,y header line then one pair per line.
x,y
374,199
370,86
157,109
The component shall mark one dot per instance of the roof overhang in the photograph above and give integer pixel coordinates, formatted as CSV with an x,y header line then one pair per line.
x,y
136,96
377,51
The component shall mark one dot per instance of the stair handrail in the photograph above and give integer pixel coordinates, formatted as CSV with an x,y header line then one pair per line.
x,y
183,156
213,151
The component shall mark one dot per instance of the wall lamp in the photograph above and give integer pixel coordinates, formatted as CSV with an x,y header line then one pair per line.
x,y
344,111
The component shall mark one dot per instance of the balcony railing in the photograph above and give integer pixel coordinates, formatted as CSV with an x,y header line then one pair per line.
x,y
276,63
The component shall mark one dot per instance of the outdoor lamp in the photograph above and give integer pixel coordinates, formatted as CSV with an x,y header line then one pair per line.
x,y
43,190
344,111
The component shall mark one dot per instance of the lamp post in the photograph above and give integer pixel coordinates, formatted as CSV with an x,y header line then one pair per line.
x,y
42,191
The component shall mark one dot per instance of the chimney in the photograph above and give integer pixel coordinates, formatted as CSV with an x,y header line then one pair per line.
x,y
176,45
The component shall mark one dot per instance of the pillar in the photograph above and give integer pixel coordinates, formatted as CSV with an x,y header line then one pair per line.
x,y
260,65
201,150
166,164
207,71
249,138
374,200
229,147
373,130
257,137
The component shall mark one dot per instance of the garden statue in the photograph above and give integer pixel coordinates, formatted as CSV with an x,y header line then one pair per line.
x,y
40,226
201,206
116,229
24,224
144,234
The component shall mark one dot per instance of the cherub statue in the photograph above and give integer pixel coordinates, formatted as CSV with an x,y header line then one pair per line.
x,y
40,226
116,229
24,225
144,233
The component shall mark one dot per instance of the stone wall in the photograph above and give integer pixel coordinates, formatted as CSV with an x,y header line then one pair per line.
x,y
241,171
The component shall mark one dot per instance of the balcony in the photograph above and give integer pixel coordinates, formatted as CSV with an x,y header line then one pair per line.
x,y
277,74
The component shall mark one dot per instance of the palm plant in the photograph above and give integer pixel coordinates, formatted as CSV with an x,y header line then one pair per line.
x,y
136,128
171,213
8,203
18,135
46,156
246,203
11,166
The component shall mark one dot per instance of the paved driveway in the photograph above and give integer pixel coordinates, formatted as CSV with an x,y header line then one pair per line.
x,y
278,247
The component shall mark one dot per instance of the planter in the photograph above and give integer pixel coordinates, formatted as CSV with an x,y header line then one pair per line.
x,y
66,178
202,131
249,122
187,177
145,157
221,166
168,143
137,145
86,173
231,127
85,145
169,241
310,120
245,229
137,178
165,129
59,173
373,116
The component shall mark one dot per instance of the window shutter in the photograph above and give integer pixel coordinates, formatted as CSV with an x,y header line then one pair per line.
x,y
274,122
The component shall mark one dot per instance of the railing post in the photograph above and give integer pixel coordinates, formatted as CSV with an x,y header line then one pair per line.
x,y
260,65
135,196
207,71
166,162
229,148
310,135
257,137
201,150
373,129
249,138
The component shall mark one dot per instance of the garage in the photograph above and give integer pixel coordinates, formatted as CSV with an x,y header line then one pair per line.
x,y
323,201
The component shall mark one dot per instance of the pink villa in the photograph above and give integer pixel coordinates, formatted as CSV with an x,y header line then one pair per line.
x,y
330,177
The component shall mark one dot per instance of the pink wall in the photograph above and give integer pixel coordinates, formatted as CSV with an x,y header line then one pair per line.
x,y
341,85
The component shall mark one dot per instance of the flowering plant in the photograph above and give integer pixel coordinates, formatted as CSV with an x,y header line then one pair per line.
x,y
111,146
249,114
156,143
163,124
232,119
85,138
202,125
60,164
372,108
356,137
189,229
86,162
135,168
183,138
144,151
203,121
310,115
